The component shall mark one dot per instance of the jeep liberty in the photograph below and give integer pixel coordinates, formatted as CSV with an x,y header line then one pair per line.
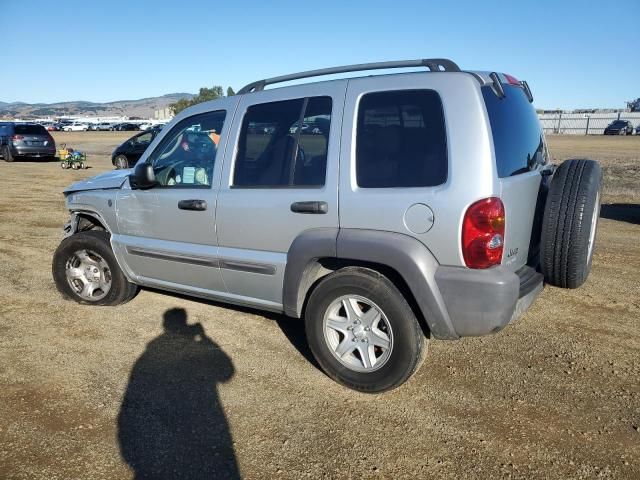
x,y
412,206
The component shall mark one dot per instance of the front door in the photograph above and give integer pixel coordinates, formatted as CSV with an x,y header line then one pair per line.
x,y
167,234
279,181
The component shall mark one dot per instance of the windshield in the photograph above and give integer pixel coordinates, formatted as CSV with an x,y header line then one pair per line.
x,y
618,123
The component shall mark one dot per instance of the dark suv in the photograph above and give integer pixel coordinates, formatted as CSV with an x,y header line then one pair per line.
x,y
25,140
619,127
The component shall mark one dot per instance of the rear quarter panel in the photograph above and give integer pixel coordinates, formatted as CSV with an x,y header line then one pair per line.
x,y
471,169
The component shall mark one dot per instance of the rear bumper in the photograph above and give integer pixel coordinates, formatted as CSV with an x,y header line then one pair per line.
x,y
480,302
28,151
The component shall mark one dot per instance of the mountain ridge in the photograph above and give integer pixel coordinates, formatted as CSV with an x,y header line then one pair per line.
x,y
143,107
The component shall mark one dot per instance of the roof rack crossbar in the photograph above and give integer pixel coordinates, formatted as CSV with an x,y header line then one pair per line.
x,y
433,64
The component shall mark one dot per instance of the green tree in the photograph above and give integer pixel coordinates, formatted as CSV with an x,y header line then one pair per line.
x,y
204,95
180,105
207,94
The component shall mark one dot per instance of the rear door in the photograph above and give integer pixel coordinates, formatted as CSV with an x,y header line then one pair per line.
x,y
273,177
521,154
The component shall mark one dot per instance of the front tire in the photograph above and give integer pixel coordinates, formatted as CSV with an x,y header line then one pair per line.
x,y
362,331
121,162
85,270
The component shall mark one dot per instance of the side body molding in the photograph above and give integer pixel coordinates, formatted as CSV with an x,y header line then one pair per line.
x,y
406,255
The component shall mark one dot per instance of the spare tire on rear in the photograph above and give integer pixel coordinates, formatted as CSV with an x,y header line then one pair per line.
x,y
570,222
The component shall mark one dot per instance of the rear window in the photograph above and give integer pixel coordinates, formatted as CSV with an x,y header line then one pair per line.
x,y
401,140
517,136
30,130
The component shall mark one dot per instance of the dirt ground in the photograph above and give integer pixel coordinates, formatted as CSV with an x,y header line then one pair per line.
x,y
556,395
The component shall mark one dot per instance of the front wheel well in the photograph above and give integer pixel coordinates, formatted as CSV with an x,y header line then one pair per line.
x,y
318,269
86,221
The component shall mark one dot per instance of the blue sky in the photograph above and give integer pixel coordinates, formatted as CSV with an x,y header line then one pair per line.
x,y
573,53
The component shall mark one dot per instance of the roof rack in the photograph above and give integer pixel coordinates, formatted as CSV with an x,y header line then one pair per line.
x,y
433,64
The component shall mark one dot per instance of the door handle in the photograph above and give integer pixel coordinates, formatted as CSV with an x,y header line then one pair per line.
x,y
197,205
310,207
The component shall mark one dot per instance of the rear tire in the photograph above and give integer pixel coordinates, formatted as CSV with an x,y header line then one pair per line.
x,y
570,223
70,275
380,324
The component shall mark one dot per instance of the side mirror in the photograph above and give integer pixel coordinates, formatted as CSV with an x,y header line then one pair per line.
x,y
143,177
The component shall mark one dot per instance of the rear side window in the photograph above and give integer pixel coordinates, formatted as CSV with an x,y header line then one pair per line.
x,y
30,130
401,140
284,144
517,136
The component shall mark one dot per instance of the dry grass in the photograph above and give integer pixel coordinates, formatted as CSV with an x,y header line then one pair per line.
x,y
554,396
619,157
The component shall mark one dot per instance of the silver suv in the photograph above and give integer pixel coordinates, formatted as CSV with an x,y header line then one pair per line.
x,y
424,207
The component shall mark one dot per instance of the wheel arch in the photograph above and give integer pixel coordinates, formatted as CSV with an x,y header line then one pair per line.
x,y
404,260
83,220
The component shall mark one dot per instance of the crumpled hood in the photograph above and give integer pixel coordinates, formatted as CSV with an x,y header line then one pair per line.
x,y
107,180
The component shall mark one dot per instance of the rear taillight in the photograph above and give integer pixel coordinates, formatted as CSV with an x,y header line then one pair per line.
x,y
511,80
483,233
17,137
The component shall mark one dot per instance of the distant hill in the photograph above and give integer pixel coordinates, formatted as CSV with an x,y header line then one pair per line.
x,y
143,107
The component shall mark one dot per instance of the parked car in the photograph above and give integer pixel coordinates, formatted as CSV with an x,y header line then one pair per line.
x,y
450,217
76,127
619,127
638,129
53,127
144,126
128,153
306,128
25,140
102,126
121,127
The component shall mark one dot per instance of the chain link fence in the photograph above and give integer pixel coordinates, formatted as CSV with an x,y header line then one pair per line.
x,y
583,123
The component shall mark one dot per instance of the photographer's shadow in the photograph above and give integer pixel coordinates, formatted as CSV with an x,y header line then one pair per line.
x,y
171,423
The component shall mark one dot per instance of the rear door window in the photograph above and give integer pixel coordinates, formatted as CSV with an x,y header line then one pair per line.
x,y
401,140
517,136
284,144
